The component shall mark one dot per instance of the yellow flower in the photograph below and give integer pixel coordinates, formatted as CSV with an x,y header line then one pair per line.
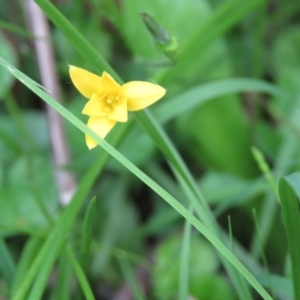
x,y
109,102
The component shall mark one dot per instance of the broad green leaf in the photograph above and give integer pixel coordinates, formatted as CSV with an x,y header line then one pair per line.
x,y
114,230
220,136
27,178
175,106
202,260
212,287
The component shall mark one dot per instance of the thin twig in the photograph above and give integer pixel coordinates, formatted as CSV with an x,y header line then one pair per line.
x,y
65,180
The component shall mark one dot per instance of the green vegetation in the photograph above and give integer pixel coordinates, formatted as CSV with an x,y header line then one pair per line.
x,y
195,197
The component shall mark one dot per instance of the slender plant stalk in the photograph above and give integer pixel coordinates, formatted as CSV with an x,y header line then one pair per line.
x,y
185,261
289,199
65,180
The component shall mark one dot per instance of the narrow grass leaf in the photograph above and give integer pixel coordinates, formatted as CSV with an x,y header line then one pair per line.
x,y
185,261
29,252
130,277
7,265
289,198
87,233
87,291
263,255
64,281
237,280
230,234
15,29
265,169
269,206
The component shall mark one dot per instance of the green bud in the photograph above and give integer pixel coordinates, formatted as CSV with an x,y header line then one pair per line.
x,y
163,40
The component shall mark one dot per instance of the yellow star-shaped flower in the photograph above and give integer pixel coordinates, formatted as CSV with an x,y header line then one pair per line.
x,y
109,102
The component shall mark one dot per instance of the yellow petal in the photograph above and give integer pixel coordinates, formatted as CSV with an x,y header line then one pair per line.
x,y
108,85
95,107
86,83
119,113
101,126
141,94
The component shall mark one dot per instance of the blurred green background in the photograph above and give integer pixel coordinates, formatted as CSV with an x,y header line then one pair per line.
x,y
241,57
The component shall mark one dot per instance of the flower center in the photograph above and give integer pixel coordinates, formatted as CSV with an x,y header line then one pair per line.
x,y
112,100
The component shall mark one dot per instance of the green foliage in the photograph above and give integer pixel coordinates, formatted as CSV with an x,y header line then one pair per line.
x,y
289,197
28,181
8,53
202,263
215,146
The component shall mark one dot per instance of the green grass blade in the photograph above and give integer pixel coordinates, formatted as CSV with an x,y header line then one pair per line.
x,y
238,282
265,169
63,286
153,128
263,255
289,198
267,216
129,276
29,252
87,291
269,206
87,233
7,265
15,29
184,261
69,214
